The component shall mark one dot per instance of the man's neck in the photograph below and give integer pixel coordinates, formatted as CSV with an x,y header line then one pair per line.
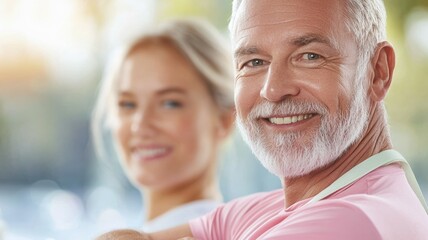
x,y
374,140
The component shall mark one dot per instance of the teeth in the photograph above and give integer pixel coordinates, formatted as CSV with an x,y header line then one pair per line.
x,y
288,120
294,119
147,153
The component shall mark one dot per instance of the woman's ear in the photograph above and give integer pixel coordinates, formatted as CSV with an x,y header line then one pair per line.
x,y
227,119
383,64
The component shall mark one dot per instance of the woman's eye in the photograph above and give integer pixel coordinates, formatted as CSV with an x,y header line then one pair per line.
x,y
127,105
171,104
311,56
255,63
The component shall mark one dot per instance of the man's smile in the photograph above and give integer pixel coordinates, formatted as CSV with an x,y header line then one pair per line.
x,y
290,119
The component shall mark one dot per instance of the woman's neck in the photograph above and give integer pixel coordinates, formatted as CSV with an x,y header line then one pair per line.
x,y
203,187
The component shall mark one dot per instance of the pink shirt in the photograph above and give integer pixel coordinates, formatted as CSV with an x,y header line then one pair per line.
x,y
380,205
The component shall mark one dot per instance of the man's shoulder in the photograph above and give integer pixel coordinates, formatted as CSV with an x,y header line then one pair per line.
x,y
362,214
256,202
326,219
260,197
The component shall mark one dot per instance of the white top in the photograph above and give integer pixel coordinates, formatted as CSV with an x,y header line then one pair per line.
x,y
1,230
180,215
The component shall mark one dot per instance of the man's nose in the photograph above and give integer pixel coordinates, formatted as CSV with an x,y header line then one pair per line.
x,y
279,84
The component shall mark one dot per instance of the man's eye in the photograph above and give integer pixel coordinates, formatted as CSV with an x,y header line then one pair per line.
x,y
171,104
311,56
255,63
126,105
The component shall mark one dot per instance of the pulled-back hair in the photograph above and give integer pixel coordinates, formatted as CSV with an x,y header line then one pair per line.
x,y
197,41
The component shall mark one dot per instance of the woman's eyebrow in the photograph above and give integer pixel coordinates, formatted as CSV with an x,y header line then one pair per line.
x,y
171,90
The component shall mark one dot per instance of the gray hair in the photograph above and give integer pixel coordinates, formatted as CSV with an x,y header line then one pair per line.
x,y
195,39
366,19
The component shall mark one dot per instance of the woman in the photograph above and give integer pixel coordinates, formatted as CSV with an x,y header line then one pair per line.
x,y
169,104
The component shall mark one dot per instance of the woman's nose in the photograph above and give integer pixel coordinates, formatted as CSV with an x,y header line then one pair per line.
x,y
142,123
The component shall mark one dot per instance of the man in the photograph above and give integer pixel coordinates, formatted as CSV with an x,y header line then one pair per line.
x,y
311,77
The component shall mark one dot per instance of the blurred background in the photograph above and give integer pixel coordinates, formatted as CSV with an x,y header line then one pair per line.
x,y
52,54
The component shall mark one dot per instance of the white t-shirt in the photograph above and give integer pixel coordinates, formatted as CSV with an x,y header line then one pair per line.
x,y
180,215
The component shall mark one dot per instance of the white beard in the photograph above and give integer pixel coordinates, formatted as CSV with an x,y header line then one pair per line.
x,y
282,153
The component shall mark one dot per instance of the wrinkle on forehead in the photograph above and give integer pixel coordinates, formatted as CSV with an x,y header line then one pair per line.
x,y
324,19
252,14
298,41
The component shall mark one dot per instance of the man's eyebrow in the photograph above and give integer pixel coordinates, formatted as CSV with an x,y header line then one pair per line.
x,y
310,38
297,41
245,51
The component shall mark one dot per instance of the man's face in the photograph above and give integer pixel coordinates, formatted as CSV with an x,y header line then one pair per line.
x,y
300,103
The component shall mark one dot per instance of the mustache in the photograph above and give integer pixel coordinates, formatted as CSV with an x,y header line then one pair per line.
x,y
267,109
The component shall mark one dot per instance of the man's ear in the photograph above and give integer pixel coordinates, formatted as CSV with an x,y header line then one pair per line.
x,y
383,64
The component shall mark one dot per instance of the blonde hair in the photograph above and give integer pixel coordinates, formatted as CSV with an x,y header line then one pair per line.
x,y
196,40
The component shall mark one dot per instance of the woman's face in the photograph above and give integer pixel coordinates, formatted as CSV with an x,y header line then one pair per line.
x,y
168,126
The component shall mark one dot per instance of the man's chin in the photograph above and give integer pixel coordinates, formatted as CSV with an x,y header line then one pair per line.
x,y
293,166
